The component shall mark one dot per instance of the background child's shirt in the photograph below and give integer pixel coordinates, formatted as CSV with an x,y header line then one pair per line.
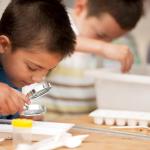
x,y
72,91
130,42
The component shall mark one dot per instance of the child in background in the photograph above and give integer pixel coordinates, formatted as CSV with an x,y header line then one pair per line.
x,y
128,40
35,35
96,23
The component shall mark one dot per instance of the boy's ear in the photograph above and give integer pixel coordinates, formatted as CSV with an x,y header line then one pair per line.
x,y
5,44
80,6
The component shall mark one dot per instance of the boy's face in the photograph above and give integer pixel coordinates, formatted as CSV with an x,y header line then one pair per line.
x,y
26,66
103,27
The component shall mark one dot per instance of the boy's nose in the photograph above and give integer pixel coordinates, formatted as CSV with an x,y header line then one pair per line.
x,y
38,79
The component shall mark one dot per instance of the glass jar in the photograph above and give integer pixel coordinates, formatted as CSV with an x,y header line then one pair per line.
x,y
22,131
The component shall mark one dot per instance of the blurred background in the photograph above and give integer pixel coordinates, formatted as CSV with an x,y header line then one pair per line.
x,y
141,33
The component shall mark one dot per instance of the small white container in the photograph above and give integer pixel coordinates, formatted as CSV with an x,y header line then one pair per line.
x,y
109,121
99,120
132,122
143,123
121,122
22,131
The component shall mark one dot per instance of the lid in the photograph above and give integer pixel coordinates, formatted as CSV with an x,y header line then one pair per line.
x,y
25,123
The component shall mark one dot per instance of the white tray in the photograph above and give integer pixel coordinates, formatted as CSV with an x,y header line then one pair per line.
x,y
120,118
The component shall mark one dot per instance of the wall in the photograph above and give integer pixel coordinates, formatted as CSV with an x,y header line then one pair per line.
x,y
142,32
3,4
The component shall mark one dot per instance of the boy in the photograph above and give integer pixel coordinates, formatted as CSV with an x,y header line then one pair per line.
x,y
96,23
99,22
35,35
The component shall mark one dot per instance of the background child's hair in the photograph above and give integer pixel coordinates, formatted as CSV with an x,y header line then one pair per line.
x,y
125,12
43,23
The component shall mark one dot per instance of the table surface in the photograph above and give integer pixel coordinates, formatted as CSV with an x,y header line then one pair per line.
x,y
99,140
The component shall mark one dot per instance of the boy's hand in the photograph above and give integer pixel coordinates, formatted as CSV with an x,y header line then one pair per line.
x,y
120,53
11,101
111,51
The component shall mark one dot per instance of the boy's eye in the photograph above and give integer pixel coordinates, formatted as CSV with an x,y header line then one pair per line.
x,y
32,68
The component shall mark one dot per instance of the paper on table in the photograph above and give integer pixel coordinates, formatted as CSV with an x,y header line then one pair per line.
x,y
40,129
64,139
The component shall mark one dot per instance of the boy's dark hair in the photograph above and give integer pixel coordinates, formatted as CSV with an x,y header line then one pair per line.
x,y
125,12
43,23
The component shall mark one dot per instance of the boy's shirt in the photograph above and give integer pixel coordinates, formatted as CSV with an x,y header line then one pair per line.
x,y
5,79
72,91
73,25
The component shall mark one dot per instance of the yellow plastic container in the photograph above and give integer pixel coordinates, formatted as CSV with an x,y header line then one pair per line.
x,y
24,123
22,131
